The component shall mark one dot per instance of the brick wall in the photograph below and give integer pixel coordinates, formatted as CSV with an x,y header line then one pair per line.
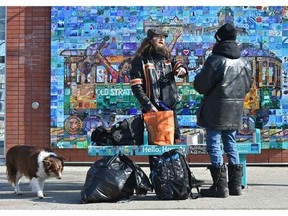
x,y
28,80
28,76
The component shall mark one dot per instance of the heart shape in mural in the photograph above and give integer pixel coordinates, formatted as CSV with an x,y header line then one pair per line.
x,y
186,52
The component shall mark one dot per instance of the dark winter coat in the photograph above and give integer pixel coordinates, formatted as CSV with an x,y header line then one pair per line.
x,y
146,83
224,81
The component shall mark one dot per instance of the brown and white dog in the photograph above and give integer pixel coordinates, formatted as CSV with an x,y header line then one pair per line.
x,y
37,164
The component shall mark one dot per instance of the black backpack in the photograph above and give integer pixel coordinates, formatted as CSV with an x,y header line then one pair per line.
x,y
101,136
126,132
129,131
171,177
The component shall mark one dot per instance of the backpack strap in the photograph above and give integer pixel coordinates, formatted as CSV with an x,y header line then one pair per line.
x,y
191,185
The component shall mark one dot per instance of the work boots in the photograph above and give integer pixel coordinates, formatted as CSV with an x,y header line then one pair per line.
x,y
219,187
235,173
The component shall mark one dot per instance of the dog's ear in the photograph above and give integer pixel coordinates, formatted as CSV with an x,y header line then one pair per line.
x,y
62,159
58,157
46,163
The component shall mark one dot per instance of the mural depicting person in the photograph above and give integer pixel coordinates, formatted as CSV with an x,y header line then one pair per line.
x,y
120,76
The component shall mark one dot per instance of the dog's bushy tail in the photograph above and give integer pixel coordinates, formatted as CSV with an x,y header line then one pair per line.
x,y
11,170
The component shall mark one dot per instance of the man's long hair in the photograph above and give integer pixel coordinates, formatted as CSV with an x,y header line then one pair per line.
x,y
147,47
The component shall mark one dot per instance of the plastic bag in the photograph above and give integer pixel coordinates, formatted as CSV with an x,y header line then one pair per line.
x,y
160,127
111,179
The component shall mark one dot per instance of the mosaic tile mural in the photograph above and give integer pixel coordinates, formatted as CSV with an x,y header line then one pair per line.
x,y
92,47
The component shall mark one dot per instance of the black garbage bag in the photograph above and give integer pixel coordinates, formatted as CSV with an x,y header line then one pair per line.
x,y
111,179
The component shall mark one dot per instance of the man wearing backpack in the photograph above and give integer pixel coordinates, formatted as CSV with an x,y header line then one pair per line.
x,y
224,81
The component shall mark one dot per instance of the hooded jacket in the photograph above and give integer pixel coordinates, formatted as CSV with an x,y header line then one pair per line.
x,y
224,81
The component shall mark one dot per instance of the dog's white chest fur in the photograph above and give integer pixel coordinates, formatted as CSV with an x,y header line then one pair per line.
x,y
37,184
41,170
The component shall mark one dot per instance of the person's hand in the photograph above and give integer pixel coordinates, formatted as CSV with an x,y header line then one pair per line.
x,y
176,34
180,71
154,109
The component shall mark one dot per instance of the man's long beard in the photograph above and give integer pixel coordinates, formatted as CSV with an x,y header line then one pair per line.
x,y
161,50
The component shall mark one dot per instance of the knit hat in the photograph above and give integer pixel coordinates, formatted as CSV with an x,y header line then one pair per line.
x,y
226,32
152,32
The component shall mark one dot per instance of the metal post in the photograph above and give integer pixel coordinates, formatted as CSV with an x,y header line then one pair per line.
x,y
244,177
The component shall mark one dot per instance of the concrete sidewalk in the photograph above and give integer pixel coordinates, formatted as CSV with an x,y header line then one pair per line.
x,y
267,189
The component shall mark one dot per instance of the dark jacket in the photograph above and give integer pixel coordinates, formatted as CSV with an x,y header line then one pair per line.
x,y
224,81
145,82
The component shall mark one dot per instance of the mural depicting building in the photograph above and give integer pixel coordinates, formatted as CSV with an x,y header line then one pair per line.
x,y
92,48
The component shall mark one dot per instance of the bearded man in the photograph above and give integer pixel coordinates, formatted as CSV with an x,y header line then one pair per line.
x,y
153,74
